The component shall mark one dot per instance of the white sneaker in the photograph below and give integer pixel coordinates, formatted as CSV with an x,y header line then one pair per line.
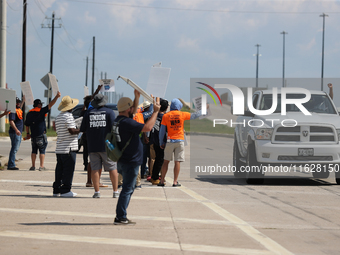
x,y
96,195
68,194
115,194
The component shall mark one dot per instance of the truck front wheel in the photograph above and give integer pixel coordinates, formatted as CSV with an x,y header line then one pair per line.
x,y
236,161
254,174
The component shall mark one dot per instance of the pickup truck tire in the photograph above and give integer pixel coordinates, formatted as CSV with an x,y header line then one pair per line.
x,y
253,177
324,173
337,177
236,161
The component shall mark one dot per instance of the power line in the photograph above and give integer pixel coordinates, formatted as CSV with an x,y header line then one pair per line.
x,y
196,10
38,4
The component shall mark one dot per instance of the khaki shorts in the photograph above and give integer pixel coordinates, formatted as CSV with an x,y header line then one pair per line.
x,y
99,159
174,148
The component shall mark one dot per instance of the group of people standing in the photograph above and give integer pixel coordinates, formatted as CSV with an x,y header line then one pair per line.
x,y
165,137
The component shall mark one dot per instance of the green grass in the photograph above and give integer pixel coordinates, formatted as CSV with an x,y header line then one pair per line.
x,y
50,132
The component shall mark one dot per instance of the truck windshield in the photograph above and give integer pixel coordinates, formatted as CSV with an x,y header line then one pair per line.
x,y
317,103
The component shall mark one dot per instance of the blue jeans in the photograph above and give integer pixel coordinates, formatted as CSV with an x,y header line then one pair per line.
x,y
15,142
129,173
64,172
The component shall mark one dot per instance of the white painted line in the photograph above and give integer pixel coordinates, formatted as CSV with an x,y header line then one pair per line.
x,y
134,243
111,216
268,243
135,197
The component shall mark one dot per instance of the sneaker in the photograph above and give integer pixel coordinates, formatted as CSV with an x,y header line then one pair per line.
x,y
154,182
138,187
161,184
32,168
176,185
148,179
12,168
42,168
56,194
123,222
115,194
68,194
96,195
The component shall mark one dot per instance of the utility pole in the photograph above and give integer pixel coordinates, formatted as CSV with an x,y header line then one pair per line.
x,y
87,67
93,53
283,63
257,65
323,15
3,24
23,64
51,59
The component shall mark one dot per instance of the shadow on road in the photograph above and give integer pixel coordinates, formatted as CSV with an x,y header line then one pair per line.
x,y
268,181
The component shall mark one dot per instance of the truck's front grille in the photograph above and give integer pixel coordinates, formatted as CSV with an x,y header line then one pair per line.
x,y
305,133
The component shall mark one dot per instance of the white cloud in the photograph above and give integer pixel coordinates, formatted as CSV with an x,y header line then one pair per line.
x,y
88,18
308,46
188,43
62,8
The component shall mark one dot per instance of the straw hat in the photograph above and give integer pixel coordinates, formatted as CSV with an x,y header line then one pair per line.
x,y
67,103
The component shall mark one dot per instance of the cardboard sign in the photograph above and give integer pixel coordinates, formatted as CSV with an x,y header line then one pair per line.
x,y
108,85
7,99
198,102
27,91
86,91
158,81
54,84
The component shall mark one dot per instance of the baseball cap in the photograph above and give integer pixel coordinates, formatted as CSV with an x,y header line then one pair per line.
x,y
36,102
124,103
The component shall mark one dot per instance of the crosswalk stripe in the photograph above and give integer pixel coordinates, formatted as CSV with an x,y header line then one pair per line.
x,y
135,243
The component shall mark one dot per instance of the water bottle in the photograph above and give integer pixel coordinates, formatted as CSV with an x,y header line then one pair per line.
x,y
109,145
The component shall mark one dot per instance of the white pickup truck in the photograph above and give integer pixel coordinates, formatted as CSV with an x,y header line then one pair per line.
x,y
309,143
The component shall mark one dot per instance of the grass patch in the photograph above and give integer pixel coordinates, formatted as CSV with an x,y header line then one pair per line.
x,y
50,132
206,126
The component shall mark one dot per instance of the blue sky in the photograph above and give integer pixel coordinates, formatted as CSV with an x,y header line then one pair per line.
x,y
195,38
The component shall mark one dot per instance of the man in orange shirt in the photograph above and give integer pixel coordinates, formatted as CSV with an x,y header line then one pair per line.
x,y
173,123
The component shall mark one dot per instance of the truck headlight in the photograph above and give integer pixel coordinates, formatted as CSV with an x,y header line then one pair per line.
x,y
264,133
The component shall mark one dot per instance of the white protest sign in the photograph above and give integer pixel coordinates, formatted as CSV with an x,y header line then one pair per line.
x,y
86,91
158,81
198,102
108,85
7,99
27,91
54,84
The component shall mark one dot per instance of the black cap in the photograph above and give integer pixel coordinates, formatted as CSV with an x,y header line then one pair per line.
x,y
36,102
18,100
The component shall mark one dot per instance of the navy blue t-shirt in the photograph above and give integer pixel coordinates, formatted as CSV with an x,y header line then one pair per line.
x,y
36,121
154,134
97,123
127,127
19,123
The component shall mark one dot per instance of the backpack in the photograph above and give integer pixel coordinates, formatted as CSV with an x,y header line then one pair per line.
x,y
116,153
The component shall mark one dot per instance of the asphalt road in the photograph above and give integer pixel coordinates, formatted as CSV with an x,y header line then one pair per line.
x,y
215,215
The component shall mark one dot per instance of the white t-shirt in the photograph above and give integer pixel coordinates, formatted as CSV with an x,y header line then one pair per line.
x,y
65,141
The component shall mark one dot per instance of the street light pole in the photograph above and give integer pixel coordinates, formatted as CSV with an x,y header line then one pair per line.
x,y
257,65
323,15
283,63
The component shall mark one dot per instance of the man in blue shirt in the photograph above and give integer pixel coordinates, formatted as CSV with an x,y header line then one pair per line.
x,y
97,123
129,163
35,120
15,133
